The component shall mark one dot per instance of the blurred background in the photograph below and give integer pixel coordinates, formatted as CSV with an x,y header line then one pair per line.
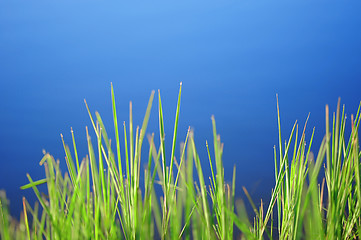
x,y
233,57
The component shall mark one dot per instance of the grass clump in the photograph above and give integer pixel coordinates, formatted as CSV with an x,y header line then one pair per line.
x,y
101,197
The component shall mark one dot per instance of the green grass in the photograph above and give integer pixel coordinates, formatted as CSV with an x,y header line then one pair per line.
x,y
101,197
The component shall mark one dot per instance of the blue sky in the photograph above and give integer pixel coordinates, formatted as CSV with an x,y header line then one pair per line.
x,y
232,57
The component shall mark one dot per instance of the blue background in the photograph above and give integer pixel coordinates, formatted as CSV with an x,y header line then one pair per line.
x,y
232,57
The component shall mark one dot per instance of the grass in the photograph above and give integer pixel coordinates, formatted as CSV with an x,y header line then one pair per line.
x,y
101,197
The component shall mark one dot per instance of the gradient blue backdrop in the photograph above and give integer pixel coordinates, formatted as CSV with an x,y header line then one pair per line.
x,y
232,57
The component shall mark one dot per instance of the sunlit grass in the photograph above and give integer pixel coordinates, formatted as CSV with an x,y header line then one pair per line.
x,y
101,197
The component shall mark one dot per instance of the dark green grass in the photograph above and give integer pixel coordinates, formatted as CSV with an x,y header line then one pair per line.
x,y
100,198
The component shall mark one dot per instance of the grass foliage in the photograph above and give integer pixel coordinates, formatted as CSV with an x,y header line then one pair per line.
x,y
101,197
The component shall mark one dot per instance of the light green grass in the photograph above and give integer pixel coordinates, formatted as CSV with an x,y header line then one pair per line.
x,y
101,197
